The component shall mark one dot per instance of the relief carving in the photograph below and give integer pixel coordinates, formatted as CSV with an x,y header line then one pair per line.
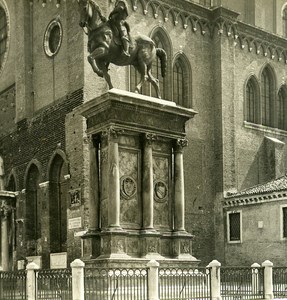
x,y
160,191
181,143
152,246
185,247
111,133
150,137
128,187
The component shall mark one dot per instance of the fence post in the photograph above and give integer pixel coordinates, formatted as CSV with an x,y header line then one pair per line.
x,y
153,282
255,278
31,284
215,279
268,279
78,286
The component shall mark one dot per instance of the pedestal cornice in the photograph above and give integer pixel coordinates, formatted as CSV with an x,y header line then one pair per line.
x,y
129,111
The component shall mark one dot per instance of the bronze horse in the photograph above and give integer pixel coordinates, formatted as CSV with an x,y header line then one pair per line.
x,y
104,48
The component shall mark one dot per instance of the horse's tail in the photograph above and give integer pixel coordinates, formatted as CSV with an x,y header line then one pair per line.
x,y
163,60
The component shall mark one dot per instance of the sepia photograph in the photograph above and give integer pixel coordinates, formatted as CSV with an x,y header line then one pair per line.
x,y
142,149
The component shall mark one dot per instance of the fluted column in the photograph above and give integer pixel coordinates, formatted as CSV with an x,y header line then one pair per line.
x,y
5,212
179,220
113,178
94,185
148,182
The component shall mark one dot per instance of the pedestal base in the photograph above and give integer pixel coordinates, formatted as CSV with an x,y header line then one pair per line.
x,y
116,244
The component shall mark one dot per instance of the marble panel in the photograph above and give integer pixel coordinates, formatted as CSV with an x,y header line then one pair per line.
x,y
130,211
162,199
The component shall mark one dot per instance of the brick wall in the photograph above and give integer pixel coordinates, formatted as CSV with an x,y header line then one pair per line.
x,y
38,138
7,109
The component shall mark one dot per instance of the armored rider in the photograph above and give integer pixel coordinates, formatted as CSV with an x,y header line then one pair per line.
x,y
118,18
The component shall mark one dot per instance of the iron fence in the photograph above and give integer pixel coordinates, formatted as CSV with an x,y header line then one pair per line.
x,y
116,284
242,283
13,285
54,284
280,282
184,283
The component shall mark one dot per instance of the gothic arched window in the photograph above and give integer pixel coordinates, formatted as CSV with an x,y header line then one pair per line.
x,y
267,109
58,205
33,207
251,102
282,109
181,82
11,184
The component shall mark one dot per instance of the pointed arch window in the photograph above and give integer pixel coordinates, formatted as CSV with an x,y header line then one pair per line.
x,y
156,71
58,205
266,98
178,83
282,109
284,21
33,208
250,102
181,82
11,184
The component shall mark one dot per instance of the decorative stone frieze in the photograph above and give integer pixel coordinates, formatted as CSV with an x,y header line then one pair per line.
x,y
254,199
218,21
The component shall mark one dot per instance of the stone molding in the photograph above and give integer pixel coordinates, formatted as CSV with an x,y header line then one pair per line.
x,y
254,199
211,22
218,21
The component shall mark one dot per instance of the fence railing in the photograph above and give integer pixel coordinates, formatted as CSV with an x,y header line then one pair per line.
x,y
150,283
54,284
13,285
128,284
177,283
280,282
241,283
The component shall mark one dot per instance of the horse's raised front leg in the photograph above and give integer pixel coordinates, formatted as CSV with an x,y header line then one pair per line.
x,y
154,82
96,54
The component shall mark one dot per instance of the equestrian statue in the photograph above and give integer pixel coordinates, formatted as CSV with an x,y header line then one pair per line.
x,y
109,41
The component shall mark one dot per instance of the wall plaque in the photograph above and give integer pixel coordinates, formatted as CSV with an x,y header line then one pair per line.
x,y
58,260
75,223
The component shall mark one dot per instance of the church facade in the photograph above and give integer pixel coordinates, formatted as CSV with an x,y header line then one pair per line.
x,y
226,61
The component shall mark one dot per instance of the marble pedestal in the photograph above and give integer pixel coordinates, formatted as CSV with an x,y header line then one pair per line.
x,y
136,178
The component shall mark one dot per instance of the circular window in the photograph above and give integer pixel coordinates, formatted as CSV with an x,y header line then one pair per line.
x,y
53,38
3,36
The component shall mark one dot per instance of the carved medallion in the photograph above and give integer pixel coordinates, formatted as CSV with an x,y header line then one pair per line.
x,y
160,191
128,187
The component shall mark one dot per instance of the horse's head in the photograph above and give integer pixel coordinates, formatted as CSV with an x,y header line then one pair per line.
x,y
84,6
